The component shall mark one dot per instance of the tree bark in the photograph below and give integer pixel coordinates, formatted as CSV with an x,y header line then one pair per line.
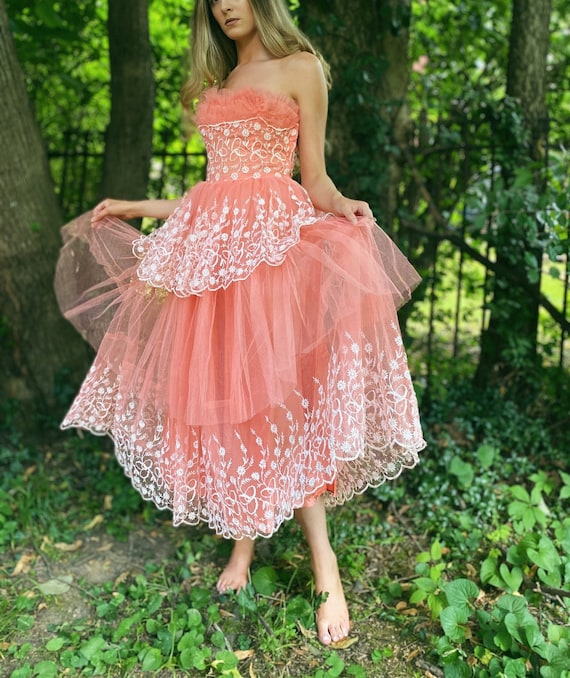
x,y
36,344
366,44
514,313
128,147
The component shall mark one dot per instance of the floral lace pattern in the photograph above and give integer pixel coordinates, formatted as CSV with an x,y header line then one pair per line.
x,y
208,248
212,240
357,428
248,148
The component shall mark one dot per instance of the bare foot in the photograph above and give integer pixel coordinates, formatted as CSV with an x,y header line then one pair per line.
x,y
333,623
236,573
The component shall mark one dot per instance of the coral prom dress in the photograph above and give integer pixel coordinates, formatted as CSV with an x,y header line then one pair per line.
x,y
248,351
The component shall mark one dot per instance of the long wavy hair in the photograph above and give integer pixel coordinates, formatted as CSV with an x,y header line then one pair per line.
x,y
213,55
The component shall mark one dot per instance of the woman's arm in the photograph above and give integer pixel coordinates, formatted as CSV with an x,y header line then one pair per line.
x,y
308,87
133,209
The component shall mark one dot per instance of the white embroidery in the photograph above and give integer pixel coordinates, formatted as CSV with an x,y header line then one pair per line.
x,y
249,482
240,147
208,248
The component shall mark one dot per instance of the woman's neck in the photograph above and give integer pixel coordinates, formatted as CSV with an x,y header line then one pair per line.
x,y
250,50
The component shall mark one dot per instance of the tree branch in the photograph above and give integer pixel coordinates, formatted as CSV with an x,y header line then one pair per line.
x,y
548,306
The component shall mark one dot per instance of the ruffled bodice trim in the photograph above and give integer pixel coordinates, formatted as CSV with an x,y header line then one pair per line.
x,y
223,231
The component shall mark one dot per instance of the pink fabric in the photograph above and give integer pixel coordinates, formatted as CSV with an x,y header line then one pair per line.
x,y
249,356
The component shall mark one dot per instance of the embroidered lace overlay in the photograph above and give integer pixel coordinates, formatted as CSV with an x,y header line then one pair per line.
x,y
357,427
248,352
220,234
209,247
248,148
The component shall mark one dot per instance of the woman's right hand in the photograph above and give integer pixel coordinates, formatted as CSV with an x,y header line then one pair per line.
x,y
123,209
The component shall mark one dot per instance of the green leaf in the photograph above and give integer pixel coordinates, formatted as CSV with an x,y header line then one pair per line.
x,y
520,493
298,608
200,597
486,455
460,593
55,644
503,639
417,596
545,556
426,584
92,647
152,660
23,672
463,471
194,658
452,620
194,618
489,572
187,641
264,581
512,578
218,639
436,550
512,625
515,668
46,669
226,659
515,604
25,622
552,578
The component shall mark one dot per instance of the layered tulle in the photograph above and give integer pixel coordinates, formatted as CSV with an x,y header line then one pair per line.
x,y
249,356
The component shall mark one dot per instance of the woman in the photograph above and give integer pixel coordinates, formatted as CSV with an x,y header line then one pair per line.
x,y
250,366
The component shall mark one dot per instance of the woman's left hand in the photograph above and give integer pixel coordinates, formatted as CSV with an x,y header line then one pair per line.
x,y
351,209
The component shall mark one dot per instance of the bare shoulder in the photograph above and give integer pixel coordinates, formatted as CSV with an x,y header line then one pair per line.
x,y
303,65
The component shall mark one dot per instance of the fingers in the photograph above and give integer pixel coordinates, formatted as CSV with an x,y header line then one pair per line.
x,y
101,210
351,209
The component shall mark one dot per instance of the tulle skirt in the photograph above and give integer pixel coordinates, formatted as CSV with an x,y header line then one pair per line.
x,y
236,406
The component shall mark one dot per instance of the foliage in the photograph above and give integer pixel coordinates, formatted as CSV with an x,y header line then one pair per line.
x,y
476,564
162,617
495,577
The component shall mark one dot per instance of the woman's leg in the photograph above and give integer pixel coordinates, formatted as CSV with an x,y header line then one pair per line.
x,y
236,573
332,617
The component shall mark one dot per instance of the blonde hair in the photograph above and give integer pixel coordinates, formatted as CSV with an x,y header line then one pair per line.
x,y
213,55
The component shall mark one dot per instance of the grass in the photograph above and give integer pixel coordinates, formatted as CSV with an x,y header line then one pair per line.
x,y
97,582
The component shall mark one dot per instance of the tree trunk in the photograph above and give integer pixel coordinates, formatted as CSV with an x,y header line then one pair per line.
x,y
513,324
128,147
366,44
36,344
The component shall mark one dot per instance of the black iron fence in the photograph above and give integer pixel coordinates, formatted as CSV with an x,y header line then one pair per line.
x,y
450,310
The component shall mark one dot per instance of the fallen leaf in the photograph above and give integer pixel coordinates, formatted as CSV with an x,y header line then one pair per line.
x,y
23,564
28,472
55,587
251,673
471,571
225,613
306,633
108,502
121,578
244,654
402,605
106,547
345,643
62,546
97,520
410,612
